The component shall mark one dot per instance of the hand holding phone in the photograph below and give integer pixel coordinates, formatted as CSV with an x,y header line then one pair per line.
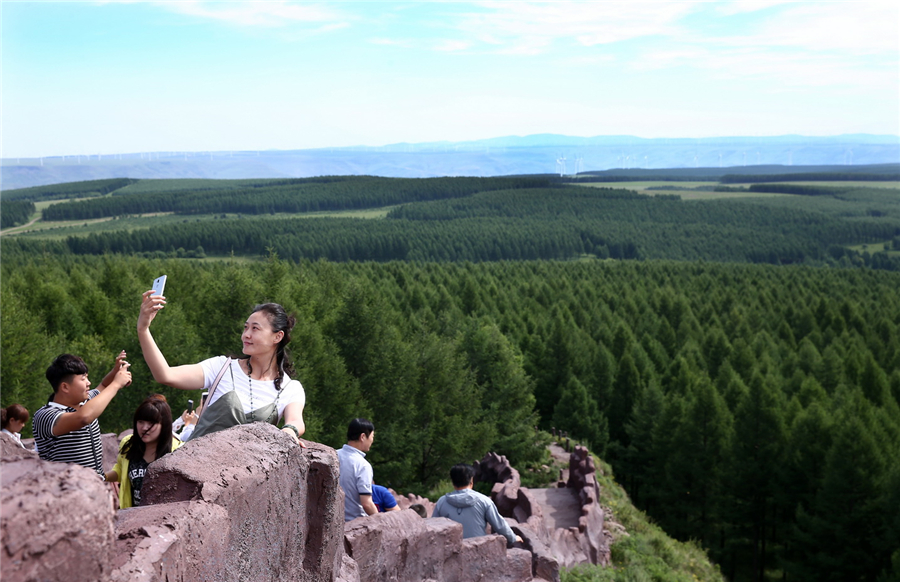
x,y
159,285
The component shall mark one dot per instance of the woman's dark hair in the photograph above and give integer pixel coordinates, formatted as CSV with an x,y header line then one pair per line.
x,y
153,409
280,321
13,412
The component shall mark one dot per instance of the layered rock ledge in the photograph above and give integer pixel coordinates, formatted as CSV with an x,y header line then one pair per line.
x,y
248,504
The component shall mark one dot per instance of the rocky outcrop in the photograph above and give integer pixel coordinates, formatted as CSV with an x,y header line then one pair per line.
x,y
241,504
560,528
583,480
400,545
278,512
57,521
10,449
248,504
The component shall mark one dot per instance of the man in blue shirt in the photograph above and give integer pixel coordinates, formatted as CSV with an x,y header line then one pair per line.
x,y
356,472
471,509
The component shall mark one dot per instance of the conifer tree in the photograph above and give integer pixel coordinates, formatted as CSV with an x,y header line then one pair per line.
x,y
837,537
757,450
578,414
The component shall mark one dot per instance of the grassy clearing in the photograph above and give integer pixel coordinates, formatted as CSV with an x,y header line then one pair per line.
x,y
644,184
167,185
640,550
688,195
876,248
62,229
641,187
849,184
45,203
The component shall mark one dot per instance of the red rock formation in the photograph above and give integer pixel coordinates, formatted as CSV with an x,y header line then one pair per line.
x,y
247,504
555,540
177,541
284,510
57,521
10,450
402,546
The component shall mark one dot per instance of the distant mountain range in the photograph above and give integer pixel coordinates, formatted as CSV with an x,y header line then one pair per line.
x,y
532,154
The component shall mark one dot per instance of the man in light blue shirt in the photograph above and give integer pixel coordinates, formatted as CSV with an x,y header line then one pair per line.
x,y
356,472
471,509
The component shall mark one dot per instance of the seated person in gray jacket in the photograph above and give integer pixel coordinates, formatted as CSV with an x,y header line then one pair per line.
x,y
470,508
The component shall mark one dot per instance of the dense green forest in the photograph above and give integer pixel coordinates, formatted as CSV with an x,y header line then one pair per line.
x,y
738,365
15,212
752,408
483,219
300,195
67,190
772,172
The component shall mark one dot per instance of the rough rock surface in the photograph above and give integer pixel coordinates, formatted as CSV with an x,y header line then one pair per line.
x,y
247,504
178,541
57,521
10,450
402,546
405,501
560,528
284,510
110,450
583,479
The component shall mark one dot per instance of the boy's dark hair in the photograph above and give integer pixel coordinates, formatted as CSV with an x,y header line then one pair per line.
x,y
63,367
359,427
462,474
420,509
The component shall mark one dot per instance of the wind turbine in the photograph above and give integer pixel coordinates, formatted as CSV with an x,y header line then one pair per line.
x,y
561,165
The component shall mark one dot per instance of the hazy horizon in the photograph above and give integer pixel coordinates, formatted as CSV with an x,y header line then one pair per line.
x,y
117,77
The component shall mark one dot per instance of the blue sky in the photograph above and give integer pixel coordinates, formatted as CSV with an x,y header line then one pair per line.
x,y
118,77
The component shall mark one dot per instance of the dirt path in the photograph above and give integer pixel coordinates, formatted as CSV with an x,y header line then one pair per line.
x,y
560,458
21,226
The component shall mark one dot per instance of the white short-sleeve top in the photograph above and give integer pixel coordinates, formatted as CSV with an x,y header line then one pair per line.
x,y
263,392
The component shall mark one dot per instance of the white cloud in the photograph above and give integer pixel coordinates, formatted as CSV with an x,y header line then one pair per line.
x,y
856,27
274,13
771,68
744,6
391,42
539,24
451,45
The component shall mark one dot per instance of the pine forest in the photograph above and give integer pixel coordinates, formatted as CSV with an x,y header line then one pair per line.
x,y
730,347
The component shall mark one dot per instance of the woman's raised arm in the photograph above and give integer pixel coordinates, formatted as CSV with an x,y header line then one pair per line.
x,y
188,377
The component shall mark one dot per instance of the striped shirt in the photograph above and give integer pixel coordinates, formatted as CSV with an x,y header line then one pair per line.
x,y
82,446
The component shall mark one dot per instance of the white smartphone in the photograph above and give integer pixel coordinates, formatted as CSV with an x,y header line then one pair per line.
x,y
159,285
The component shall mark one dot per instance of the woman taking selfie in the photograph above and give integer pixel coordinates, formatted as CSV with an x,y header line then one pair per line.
x,y
255,388
152,438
